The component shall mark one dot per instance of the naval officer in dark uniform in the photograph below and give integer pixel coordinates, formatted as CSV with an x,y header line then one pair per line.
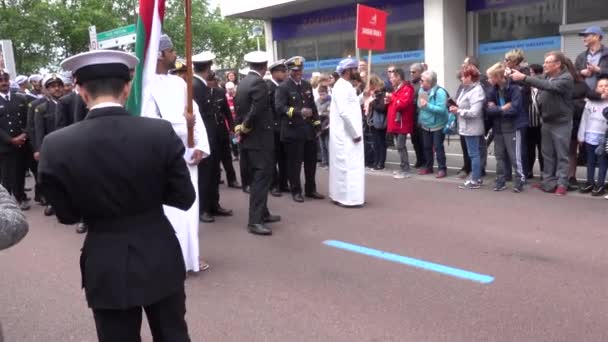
x,y
278,73
209,168
300,123
118,183
15,152
43,117
254,128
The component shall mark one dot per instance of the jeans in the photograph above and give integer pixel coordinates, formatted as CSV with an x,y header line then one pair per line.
x,y
483,155
592,160
401,145
434,141
474,150
379,142
324,144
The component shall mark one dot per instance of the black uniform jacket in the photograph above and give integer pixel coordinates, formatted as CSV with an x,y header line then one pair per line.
x,y
202,96
115,171
44,117
13,120
71,109
253,110
289,101
272,88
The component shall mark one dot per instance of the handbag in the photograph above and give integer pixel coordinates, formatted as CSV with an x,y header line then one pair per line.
x,y
451,127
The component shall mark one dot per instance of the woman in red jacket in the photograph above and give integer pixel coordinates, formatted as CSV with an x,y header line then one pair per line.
x,y
400,117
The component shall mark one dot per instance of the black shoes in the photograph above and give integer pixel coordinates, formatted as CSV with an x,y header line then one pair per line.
x,y
24,205
272,219
219,211
315,195
298,198
234,185
247,189
598,191
206,218
276,192
259,229
585,189
49,211
81,228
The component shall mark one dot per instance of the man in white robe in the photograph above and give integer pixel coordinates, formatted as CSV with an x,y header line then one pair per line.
x,y
165,97
346,154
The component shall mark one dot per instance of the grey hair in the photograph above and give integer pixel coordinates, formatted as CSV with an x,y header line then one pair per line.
x,y
417,66
431,76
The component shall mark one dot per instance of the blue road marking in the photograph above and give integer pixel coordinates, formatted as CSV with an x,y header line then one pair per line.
x,y
426,265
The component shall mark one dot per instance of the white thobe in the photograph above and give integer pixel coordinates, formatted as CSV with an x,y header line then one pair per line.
x,y
346,158
165,98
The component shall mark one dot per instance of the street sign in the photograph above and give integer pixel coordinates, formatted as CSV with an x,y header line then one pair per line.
x,y
257,31
371,28
117,37
93,37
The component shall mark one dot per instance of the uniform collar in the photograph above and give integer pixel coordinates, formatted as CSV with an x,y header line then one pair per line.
x,y
6,96
106,109
257,73
200,78
294,81
275,82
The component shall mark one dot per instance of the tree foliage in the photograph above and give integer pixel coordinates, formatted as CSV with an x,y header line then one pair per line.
x,y
44,32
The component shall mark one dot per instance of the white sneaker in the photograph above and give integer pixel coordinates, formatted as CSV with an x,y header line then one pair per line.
x,y
402,175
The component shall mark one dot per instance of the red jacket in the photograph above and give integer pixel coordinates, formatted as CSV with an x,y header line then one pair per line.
x,y
402,102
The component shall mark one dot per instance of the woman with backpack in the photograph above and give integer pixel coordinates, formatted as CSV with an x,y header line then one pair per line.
x,y
432,117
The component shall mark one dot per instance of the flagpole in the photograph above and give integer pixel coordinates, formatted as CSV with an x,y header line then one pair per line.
x,y
189,71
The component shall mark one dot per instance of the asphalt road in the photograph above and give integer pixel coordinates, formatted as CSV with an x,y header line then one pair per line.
x,y
547,255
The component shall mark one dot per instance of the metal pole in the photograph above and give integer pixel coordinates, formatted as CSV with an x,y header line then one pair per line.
x,y
258,40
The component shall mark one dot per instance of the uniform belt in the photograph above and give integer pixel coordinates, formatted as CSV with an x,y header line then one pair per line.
x,y
139,222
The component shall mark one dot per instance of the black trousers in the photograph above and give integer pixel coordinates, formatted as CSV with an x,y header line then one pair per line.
x,y
260,168
279,180
13,165
299,152
244,169
533,149
416,138
226,158
208,181
166,318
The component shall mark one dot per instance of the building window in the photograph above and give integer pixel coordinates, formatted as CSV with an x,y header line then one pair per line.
x,y
580,11
537,19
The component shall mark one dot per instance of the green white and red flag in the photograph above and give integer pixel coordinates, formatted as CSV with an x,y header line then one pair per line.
x,y
149,29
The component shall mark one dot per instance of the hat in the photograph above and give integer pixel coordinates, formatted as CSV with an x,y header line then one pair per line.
x,y
295,63
347,63
21,79
592,30
50,79
14,86
165,42
99,64
4,74
278,65
203,57
35,78
67,78
256,57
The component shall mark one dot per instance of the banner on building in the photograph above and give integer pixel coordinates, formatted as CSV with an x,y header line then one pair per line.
x,y
371,28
